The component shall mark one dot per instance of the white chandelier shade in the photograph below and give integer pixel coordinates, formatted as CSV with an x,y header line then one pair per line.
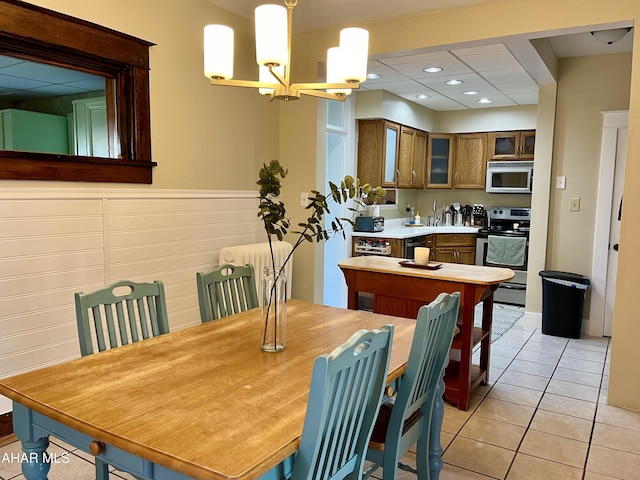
x,y
218,52
271,35
355,43
346,64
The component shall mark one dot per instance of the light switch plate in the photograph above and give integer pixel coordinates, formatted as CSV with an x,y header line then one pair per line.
x,y
561,182
574,204
304,199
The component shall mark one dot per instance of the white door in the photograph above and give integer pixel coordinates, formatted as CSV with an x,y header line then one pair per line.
x,y
614,232
340,160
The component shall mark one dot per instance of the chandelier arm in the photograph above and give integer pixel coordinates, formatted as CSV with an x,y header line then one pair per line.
x,y
244,83
324,86
321,94
283,81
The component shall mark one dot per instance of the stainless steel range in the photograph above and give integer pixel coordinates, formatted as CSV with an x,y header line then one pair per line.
x,y
509,222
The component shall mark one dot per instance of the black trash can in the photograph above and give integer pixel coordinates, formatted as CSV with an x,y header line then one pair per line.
x,y
562,303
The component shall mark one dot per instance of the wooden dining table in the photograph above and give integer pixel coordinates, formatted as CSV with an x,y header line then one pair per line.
x,y
203,402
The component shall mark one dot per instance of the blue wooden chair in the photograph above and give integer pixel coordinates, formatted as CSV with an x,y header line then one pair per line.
x,y
227,290
128,312
346,390
406,418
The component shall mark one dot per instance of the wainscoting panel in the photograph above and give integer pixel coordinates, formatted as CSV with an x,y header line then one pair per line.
x,y
55,242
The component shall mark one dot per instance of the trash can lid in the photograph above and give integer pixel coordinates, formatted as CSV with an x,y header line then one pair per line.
x,y
570,277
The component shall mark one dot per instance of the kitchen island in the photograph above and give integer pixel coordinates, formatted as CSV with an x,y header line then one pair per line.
x,y
401,291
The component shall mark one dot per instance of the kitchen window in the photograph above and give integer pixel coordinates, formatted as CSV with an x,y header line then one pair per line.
x,y
35,34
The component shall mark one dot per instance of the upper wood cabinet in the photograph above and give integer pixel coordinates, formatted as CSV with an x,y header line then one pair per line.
x,y
378,143
518,145
470,161
440,160
391,155
411,158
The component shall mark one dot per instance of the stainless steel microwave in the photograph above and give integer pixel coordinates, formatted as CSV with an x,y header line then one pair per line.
x,y
514,176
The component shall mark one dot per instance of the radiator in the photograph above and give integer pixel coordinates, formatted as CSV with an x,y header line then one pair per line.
x,y
258,255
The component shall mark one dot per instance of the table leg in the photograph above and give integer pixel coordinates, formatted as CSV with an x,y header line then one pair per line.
x,y
435,448
35,461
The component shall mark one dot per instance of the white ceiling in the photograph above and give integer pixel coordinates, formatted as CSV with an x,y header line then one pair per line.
x,y
507,72
22,80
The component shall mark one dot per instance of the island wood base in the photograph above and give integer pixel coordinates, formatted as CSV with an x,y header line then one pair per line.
x,y
401,291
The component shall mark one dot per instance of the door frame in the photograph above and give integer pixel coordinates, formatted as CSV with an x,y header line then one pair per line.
x,y
612,122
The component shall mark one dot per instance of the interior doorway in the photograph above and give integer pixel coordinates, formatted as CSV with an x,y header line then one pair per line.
x,y
340,161
608,219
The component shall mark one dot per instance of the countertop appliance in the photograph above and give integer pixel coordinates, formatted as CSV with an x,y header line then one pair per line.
x,y
513,176
369,224
512,222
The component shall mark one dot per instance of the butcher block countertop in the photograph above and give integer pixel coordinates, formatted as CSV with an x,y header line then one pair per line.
x,y
454,272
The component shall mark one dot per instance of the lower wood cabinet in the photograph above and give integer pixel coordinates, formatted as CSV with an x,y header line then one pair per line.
x,y
455,248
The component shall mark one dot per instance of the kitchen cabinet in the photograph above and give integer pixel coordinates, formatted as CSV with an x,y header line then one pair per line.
x,y
411,158
517,145
390,154
378,144
33,131
439,161
470,164
455,248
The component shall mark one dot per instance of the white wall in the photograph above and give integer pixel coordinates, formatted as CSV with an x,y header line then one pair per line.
x,y
55,242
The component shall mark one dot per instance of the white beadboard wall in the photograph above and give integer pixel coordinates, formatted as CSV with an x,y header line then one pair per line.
x,y
55,242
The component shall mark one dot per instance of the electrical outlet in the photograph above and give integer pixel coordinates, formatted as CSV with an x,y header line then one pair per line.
x,y
304,199
561,182
574,204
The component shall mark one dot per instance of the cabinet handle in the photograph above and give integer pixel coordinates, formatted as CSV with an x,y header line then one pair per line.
x,y
413,176
397,174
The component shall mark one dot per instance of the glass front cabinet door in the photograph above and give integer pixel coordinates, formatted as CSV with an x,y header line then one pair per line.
x,y
439,161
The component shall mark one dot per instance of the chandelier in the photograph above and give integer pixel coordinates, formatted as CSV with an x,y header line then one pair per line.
x,y
346,63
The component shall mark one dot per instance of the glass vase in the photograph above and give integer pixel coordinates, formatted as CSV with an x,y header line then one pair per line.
x,y
274,310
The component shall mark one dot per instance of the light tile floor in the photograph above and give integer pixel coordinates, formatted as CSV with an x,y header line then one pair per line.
x,y
542,416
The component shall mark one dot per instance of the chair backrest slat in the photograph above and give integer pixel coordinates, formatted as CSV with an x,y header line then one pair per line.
x,y
227,290
429,355
126,317
346,389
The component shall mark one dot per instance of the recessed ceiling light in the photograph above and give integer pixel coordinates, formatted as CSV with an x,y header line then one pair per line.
x,y
485,100
470,92
423,96
453,82
373,76
432,69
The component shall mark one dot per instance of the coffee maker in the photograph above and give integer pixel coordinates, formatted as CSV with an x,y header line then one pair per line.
x,y
479,216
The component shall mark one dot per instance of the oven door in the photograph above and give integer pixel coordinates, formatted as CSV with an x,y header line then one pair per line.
x,y
482,246
514,291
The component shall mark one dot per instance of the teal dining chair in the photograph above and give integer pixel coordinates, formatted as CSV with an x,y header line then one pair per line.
x,y
346,390
406,418
227,290
128,312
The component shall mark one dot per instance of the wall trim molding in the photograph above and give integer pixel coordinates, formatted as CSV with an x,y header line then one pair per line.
x,y
89,193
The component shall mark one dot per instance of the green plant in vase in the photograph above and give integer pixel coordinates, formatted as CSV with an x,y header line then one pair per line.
x,y
273,214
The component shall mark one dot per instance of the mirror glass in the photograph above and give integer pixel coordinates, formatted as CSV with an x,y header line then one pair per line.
x,y
50,109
